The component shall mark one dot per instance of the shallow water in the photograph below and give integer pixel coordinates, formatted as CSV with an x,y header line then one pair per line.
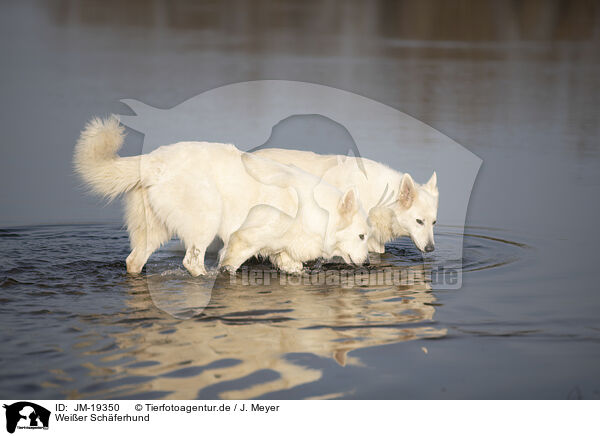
x,y
67,301
514,82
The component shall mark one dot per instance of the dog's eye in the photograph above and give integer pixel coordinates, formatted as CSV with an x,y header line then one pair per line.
x,y
419,221
361,236
434,222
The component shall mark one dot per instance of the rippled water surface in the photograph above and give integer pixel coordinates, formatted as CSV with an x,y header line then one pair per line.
x,y
516,83
67,300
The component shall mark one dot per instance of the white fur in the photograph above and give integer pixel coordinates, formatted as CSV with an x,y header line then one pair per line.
x,y
393,200
326,223
199,190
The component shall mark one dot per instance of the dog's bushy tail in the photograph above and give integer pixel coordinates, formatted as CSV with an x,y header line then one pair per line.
x,y
96,160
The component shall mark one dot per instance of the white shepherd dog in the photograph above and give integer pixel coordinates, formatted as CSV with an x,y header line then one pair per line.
x,y
313,232
397,206
199,190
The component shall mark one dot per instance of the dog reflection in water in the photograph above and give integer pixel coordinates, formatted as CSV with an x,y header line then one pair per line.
x,y
254,334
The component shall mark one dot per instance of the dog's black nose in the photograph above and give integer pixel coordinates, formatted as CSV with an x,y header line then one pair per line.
x,y
429,248
367,262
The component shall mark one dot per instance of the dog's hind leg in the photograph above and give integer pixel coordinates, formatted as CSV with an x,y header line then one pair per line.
x,y
146,232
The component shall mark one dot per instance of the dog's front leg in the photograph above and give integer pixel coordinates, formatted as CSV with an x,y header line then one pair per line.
x,y
285,263
376,246
237,252
194,261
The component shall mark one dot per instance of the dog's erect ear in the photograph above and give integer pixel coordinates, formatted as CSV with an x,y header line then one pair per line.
x,y
348,204
431,185
407,192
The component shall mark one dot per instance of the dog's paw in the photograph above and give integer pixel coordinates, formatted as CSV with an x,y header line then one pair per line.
x,y
286,264
228,269
292,267
194,269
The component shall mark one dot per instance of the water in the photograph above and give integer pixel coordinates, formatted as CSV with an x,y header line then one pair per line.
x,y
515,83
67,301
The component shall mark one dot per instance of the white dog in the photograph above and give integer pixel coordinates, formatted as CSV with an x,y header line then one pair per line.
x,y
327,223
193,190
397,206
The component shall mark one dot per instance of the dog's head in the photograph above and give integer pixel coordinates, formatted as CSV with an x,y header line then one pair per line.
x,y
416,210
352,229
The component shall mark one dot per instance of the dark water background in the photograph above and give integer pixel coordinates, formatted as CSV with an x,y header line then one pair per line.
x,y
517,83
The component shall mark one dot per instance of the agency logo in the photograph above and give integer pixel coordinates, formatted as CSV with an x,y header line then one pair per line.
x,y
26,415
282,122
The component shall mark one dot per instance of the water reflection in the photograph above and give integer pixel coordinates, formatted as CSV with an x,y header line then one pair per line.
x,y
515,81
453,20
247,332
